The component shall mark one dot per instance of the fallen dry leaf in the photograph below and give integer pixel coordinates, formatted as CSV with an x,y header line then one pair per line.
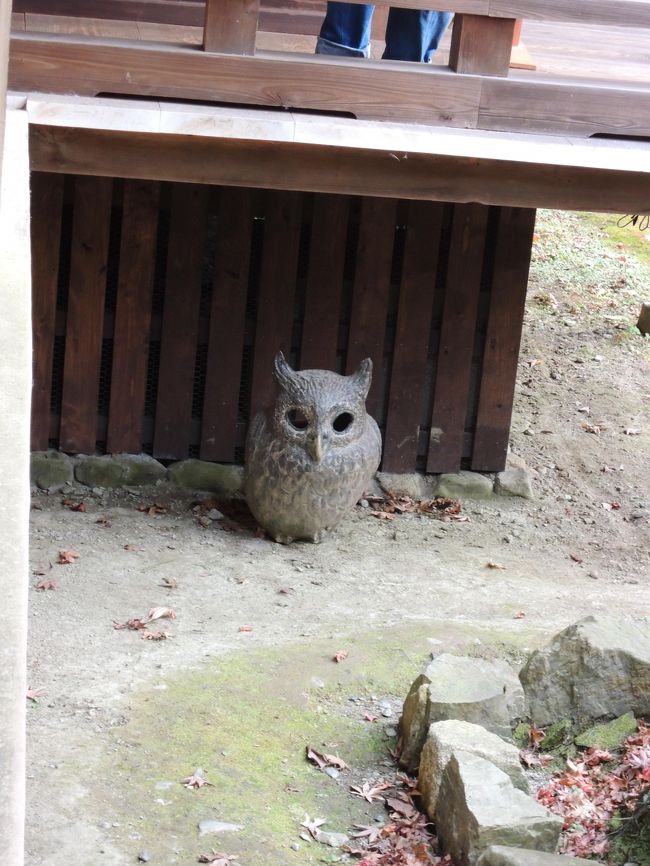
x,y
130,547
74,506
631,431
169,582
312,825
591,428
322,760
196,780
245,628
160,613
47,584
151,510
40,572
382,515
535,735
405,808
34,694
370,793
611,506
67,557
340,656
368,717
535,759
286,590
218,859
154,635
103,521
575,557
492,564
133,624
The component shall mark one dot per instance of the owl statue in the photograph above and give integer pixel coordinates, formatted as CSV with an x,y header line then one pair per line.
x,y
310,457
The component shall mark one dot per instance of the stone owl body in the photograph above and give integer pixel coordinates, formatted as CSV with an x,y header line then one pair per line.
x,y
310,457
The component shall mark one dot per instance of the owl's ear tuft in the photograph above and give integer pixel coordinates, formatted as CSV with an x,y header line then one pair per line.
x,y
282,371
362,379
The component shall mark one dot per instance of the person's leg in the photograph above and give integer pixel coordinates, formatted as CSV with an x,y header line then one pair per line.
x,y
346,30
414,35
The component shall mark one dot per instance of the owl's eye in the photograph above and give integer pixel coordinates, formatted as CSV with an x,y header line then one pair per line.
x,y
342,422
297,419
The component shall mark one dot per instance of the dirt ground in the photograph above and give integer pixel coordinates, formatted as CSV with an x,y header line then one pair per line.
x,y
123,720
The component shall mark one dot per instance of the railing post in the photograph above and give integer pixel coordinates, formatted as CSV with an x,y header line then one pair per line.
x,y
230,26
481,45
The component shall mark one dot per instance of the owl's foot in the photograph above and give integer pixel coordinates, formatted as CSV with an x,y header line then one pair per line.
x,y
283,539
317,537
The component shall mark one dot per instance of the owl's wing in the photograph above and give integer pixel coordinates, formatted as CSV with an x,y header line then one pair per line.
x,y
255,436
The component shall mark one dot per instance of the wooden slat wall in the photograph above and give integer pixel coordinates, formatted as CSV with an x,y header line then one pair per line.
x,y
433,292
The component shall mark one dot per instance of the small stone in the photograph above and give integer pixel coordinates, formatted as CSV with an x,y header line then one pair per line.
x,y
332,772
513,482
386,712
643,323
480,691
144,856
50,470
210,825
478,806
305,837
213,477
460,485
295,846
391,732
214,514
334,840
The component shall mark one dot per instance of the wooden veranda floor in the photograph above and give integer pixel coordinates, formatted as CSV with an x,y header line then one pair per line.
x,y
583,51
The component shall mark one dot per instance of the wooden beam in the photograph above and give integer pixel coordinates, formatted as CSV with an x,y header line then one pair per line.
x,y
230,26
625,13
358,171
481,45
380,90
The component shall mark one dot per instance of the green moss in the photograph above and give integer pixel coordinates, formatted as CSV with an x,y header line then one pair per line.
x,y
521,735
610,735
245,719
558,736
629,836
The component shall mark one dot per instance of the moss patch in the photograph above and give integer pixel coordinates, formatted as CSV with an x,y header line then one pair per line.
x,y
245,719
610,735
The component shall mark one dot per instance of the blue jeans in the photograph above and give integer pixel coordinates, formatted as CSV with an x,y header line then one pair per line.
x,y
410,34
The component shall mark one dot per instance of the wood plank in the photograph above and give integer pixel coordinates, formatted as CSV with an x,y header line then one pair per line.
x,y
133,316
230,26
452,376
71,25
380,89
85,319
271,165
46,209
180,322
629,13
276,293
323,296
227,325
481,45
370,292
409,368
17,21
537,105
500,355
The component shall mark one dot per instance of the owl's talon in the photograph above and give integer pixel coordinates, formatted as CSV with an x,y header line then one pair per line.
x,y
282,539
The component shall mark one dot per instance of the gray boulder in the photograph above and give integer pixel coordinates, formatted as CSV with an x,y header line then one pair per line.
x,y
202,475
50,469
449,737
500,855
595,668
479,806
465,485
487,693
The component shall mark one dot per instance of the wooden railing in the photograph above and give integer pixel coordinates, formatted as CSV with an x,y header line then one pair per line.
x,y
474,91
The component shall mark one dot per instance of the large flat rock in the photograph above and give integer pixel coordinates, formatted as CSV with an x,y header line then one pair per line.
x,y
479,806
486,693
595,668
446,739
500,855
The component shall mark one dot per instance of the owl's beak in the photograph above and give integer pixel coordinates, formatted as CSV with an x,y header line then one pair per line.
x,y
316,448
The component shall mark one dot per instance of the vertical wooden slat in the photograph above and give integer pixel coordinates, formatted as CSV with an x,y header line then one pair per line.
x,y
276,292
87,289
324,282
412,336
230,26
133,315
505,320
180,321
371,290
46,209
457,337
481,45
227,323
